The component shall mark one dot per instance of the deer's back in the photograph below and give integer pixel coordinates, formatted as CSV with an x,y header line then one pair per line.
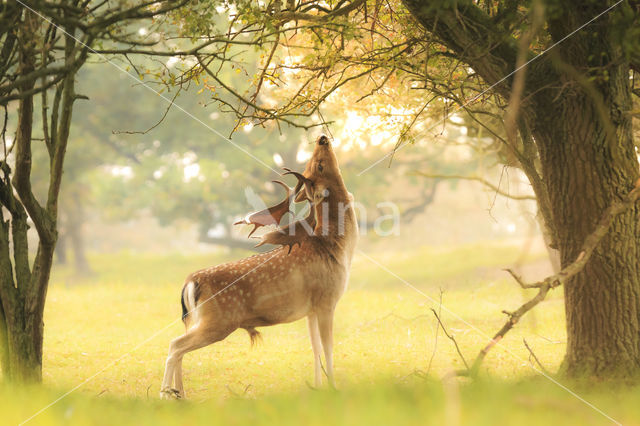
x,y
270,288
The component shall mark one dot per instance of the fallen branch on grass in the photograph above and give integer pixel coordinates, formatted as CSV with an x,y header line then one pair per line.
x,y
535,358
435,341
553,281
446,333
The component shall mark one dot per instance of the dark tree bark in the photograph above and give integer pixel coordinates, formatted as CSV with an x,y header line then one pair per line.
x,y
575,104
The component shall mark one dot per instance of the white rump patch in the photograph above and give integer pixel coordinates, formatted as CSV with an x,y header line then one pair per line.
x,y
190,303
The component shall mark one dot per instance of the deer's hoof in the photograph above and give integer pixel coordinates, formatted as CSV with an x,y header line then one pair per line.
x,y
170,393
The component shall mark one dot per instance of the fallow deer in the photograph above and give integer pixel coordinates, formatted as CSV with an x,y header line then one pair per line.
x,y
304,277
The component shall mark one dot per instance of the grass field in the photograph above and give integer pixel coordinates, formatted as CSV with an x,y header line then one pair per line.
x,y
110,333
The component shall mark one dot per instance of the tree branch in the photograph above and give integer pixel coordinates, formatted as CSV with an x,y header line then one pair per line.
x,y
302,16
22,176
468,30
533,355
446,333
569,271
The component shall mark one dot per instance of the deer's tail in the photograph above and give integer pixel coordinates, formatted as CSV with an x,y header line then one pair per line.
x,y
254,335
189,303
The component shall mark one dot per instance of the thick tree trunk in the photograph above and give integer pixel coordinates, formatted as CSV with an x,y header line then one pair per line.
x,y
588,160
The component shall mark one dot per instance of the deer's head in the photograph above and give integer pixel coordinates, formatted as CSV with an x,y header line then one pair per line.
x,y
321,177
320,184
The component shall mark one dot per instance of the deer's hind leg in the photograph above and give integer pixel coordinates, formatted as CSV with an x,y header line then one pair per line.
x,y
195,338
179,385
316,346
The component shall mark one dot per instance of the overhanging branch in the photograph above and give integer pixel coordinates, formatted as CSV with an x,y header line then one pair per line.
x,y
482,181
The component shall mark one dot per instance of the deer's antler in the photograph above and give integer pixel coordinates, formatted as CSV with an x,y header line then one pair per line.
x,y
292,234
272,215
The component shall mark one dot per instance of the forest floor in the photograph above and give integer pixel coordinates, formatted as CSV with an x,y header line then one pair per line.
x,y
108,335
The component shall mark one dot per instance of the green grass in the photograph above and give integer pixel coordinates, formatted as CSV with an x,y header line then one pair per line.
x,y
535,402
114,329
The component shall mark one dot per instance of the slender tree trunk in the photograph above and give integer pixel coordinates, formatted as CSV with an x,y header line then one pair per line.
x,y
588,160
75,223
61,249
79,255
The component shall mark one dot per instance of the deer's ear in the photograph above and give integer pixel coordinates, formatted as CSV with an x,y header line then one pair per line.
x,y
269,216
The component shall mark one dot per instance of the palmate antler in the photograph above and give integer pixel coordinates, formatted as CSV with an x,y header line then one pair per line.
x,y
293,233
272,215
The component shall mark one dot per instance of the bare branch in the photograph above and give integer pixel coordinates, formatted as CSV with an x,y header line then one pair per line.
x,y
453,339
533,355
301,16
142,132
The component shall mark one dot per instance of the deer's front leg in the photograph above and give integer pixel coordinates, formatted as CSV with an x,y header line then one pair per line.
x,y
325,326
316,346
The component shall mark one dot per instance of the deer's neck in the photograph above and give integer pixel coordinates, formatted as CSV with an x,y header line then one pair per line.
x,y
336,224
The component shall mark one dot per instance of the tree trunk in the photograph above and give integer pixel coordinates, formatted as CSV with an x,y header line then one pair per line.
x,y
25,347
61,248
75,221
79,255
4,343
23,286
576,102
588,160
